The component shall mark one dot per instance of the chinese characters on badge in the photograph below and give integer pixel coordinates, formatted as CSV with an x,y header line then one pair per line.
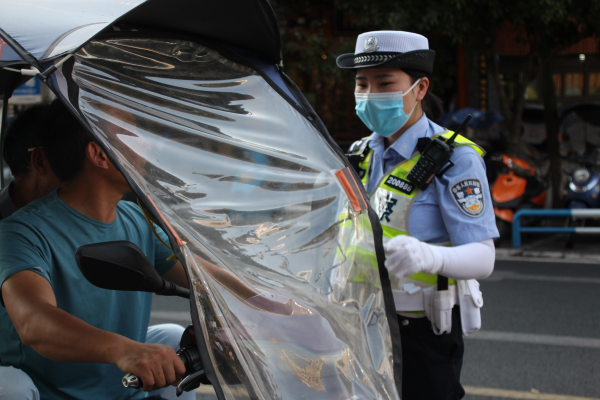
x,y
468,196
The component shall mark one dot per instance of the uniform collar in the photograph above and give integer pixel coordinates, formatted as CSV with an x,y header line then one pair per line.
x,y
407,143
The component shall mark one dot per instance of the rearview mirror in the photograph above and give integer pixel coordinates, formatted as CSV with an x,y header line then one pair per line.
x,y
121,265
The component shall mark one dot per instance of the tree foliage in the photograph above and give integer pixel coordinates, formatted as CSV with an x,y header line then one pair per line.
x,y
545,26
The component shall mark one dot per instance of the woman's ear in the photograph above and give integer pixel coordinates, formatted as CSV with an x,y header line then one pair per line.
x,y
422,87
96,155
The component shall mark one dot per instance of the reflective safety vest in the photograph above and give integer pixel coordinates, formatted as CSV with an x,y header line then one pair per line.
x,y
393,199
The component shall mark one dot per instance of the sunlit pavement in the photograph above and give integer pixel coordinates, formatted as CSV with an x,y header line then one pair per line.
x,y
540,336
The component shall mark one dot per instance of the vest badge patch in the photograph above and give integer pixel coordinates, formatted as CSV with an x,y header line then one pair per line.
x,y
400,184
468,196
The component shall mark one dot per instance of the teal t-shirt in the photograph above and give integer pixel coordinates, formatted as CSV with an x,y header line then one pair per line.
x,y
43,237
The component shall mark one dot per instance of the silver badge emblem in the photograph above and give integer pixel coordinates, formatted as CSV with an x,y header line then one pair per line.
x,y
371,44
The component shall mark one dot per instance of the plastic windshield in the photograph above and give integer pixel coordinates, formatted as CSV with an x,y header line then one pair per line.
x,y
281,267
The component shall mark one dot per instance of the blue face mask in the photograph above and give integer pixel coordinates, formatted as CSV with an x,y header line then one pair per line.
x,y
383,112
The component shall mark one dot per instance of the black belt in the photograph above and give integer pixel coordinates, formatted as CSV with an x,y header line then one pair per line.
x,y
442,283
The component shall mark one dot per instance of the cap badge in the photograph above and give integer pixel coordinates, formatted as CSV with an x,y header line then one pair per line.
x,y
371,44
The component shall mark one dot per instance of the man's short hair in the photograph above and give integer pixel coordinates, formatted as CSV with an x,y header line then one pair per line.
x,y
24,134
64,142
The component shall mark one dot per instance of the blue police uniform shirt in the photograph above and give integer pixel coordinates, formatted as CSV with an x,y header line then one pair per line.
x,y
42,237
436,217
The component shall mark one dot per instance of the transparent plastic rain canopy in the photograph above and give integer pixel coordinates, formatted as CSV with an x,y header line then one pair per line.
x,y
289,299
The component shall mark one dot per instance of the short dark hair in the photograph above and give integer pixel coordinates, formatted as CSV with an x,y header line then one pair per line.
x,y
23,134
64,142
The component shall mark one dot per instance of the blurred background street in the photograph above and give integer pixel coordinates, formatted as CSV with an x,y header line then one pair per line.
x,y
539,336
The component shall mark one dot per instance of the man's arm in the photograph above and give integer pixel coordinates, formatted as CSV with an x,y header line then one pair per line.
x,y
55,334
177,275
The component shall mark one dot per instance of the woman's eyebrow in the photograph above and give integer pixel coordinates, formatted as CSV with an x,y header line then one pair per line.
x,y
361,78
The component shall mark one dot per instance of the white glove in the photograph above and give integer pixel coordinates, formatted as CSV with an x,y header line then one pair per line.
x,y
407,255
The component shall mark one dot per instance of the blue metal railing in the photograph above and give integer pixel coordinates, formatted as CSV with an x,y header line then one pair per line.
x,y
561,213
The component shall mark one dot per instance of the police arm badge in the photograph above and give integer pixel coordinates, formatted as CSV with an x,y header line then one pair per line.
x,y
468,196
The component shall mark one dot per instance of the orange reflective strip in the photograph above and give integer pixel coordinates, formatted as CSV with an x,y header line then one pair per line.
x,y
362,200
165,221
352,189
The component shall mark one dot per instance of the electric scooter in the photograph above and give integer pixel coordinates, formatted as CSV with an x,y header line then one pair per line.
x,y
580,192
582,187
579,125
517,186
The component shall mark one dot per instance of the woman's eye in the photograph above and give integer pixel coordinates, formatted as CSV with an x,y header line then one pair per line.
x,y
386,83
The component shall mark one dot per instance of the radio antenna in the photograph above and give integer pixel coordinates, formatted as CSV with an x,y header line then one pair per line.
x,y
459,130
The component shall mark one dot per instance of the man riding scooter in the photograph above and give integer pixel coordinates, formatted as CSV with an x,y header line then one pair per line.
x,y
63,332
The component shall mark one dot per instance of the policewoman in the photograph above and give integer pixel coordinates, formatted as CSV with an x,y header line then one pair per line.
x,y
437,240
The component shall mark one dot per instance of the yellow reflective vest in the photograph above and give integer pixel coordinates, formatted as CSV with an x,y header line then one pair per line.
x,y
393,199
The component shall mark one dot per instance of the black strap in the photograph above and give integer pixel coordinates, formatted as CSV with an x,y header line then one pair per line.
x,y
356,157
442,283
355,160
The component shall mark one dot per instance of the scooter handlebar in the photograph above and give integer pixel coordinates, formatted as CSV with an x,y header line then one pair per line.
x,y
131,381
188,355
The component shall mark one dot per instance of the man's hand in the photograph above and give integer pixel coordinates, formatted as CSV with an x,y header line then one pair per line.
x,y
407,255
156,365
60,336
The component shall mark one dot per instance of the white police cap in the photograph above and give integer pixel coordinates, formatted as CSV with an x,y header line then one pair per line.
x,y
390,49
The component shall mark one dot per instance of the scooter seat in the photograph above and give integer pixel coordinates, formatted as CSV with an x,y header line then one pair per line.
x,y
508,188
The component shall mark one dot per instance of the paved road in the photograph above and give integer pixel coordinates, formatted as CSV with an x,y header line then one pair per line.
x,y
541,330
541,333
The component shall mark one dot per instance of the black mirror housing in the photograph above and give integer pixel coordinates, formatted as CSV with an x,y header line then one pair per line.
x,y
121,265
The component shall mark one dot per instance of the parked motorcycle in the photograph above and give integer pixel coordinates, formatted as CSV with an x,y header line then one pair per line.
x,y
582,187
581,190
580,140
517,186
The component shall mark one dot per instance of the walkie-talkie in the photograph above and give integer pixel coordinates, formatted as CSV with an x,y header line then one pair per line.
x,y
435,156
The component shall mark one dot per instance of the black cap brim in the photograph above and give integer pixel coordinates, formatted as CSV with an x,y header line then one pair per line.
x,y
418,60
